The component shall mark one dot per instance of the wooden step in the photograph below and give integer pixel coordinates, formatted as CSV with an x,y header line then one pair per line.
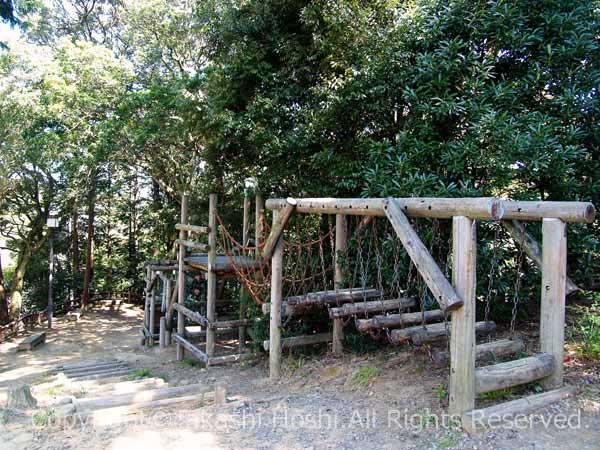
x,y
433,332
31,342
488,351
297,341
513,373
366,307
327,297
480,419
397,320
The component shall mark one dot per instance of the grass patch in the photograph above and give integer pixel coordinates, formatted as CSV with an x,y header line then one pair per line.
x,y
365,375
502,394
448,440
441,393
192,362
55,390
138,374
42,417
588,328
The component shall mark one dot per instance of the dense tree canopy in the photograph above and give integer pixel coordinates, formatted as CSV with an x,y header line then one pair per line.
x,y
110,109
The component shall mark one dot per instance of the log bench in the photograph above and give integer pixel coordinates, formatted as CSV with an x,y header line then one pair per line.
x,y
31,342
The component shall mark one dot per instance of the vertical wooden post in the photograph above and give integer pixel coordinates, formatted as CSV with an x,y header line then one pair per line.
x,y
211,289
462,336
341,242
552,316
181,276
168,293
245,237
259,221
275,319
147,299
162,333
152,316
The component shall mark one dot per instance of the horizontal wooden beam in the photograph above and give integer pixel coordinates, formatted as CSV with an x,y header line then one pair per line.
x,y
222,324
192,315
513,373
360,307
278,227
435,331
479,419
398,320
192,228
488,351
333,296
195,351
481,208
297,341
436,281
193,244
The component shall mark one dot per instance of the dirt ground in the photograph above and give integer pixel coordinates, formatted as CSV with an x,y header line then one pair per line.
x,y
388,399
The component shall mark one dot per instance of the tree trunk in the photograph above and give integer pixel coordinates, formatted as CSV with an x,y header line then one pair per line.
x,y
16,292
89,249
76,260
3,302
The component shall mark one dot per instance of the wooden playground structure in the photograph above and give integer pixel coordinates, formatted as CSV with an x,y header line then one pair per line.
x,y
262,273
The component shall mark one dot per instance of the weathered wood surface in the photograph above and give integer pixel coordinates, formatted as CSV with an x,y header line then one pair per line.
x,y
297,341
19,397
275,313
31,342
445,208
278,226
192,228
337,338
435,279
180,352
398,320
195,351
86,404
230,323
192,315
333,296
436,331
369,307
532,248
513,373
488,351
192,244
552,308
228,359
211,284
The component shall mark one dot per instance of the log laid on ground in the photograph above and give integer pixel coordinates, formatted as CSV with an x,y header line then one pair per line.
x,y
31,342
192,228
94,369
195,351
479,419
122,387
398,320
19,397
333,296
84,365
86,404
227,359
419,335
95,374
196,317
192,244
513,373
433,276
278,226
366,307
297,341
488,351
519,233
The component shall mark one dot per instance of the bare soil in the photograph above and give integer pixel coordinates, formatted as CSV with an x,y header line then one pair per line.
x,y
388,399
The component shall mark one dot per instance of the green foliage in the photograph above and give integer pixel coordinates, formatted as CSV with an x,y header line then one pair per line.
x,y
139,374
42,418
365,375
441,392
192,362
588,327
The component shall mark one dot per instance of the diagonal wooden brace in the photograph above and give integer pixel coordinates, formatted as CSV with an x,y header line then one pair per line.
x,y
437,283
278,227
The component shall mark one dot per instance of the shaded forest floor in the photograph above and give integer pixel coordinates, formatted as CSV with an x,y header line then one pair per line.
x,y
390,398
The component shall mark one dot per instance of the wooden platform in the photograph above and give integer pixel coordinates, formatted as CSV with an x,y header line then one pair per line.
x,y
223,266
31,342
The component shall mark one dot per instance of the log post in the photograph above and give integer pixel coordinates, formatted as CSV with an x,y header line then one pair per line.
x,y
162,333
341,242
245,238
259,222
152,315
147,298
275,319
211,289
168,291
552,316
462,337
181,276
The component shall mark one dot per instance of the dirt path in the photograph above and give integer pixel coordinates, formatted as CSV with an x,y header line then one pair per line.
x,y
390,399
